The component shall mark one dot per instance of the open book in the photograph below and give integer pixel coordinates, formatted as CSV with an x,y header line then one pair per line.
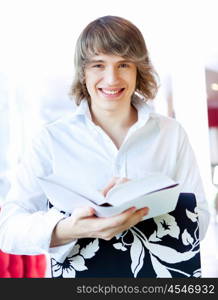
x,y
156,191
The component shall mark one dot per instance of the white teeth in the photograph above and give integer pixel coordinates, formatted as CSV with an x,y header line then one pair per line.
x,y
111,92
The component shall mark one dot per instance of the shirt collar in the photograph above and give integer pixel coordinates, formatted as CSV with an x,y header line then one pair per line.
x,y
83,109
144,109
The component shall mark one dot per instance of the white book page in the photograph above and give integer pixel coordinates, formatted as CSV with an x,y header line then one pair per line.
x,y
159,203
127,191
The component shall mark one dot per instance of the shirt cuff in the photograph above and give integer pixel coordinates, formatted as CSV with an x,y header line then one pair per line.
x,y
59,252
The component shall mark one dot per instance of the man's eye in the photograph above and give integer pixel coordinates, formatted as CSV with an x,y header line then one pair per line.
x,y
124,65
98,66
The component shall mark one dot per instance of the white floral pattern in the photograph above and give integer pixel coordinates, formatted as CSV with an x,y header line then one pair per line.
x,y
166,224
74,262
166,245
192,215
160,254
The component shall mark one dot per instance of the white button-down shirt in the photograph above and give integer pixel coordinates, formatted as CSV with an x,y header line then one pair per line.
x,y
80,156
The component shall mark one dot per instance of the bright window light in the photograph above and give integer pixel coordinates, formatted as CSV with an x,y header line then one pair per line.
x,y
215,175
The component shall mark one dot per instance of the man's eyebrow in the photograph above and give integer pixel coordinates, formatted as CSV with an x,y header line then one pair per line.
x,y
103,61
124,61
92,61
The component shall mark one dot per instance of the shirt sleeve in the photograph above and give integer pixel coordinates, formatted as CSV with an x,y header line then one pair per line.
x,y
187,172
26,223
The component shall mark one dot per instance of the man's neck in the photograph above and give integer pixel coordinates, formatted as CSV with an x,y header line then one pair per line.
x,y
114,119
115,123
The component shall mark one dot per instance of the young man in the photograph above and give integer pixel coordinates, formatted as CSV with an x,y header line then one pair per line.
x,y
112,137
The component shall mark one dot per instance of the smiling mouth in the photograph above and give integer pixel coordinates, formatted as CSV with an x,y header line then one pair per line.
x,y
111,92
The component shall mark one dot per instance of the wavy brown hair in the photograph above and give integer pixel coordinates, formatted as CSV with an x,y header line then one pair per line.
x,y
116,36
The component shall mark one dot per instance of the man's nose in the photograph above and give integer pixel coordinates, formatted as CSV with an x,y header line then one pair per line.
x,y
112,76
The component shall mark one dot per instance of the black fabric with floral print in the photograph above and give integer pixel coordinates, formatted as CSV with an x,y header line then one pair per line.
x,y
165,246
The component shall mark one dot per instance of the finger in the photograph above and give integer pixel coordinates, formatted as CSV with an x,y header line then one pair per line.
x,y
109,186
122,180
139,214
83,212
135,217
128,211
117,220
112,183
121,218
143,211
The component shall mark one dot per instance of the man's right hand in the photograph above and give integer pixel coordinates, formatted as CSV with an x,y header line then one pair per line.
x,y
84,224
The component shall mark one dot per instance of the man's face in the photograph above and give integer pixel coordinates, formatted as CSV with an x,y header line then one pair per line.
x,y
110,81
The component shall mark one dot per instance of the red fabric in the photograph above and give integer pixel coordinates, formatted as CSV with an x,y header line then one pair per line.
x,y
213,116
22,266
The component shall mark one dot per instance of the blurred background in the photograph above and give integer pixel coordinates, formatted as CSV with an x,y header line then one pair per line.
x,y
36,71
